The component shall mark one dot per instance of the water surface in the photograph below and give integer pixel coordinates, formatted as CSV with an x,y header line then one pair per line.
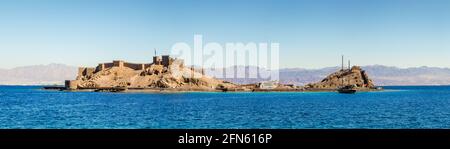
x,y
398,107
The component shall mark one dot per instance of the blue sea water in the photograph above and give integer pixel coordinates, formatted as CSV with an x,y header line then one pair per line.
x,y
397,107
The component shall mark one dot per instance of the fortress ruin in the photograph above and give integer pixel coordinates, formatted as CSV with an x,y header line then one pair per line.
x,y
164,60
160,64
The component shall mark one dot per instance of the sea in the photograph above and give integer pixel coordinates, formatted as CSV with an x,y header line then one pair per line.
x,y
397,107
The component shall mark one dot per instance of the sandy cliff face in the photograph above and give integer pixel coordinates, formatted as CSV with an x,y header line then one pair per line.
x,y
354,76
155,76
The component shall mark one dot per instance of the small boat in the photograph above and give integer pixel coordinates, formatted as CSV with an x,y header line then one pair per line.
x,y
61,88
349,89
111,89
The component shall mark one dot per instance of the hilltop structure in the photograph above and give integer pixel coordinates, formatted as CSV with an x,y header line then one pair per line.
x,y
140,76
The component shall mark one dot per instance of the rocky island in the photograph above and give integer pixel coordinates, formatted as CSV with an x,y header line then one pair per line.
x,y
353,76
159,75
171,75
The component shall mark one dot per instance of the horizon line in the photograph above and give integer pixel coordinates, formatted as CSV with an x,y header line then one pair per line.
x,y
372,65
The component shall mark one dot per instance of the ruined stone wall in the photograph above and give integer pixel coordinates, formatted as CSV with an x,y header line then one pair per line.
x,y
166,60
118,63
135,66
86,71
108,65
71,84
103,66
100,67
157,60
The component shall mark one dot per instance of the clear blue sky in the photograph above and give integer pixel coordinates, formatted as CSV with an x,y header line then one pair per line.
x,y
311,33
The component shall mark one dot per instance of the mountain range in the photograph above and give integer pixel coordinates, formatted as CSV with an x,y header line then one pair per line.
x,y
381,75
38,75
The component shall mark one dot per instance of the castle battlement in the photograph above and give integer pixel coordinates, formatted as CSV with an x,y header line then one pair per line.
x,y
164,60
161,65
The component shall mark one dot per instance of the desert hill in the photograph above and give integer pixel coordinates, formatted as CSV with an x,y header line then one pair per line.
x,y
344,77
162,73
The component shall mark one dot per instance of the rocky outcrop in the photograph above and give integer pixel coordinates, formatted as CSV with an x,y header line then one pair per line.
x,y
354,77
154,76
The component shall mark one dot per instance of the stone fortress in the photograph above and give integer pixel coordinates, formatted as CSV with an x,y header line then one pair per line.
x,y
133,75
164,60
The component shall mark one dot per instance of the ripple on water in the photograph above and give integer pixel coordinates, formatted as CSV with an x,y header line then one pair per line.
x,y
397,107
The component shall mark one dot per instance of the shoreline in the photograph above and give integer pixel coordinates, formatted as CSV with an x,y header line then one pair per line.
x,y
180,90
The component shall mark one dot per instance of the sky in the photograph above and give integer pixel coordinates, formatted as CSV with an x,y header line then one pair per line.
x,y
311,33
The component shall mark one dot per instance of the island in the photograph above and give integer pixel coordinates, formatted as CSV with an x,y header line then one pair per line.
x,y
159,76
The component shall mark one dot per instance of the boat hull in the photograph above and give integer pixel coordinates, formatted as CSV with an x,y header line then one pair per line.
x,y
347,91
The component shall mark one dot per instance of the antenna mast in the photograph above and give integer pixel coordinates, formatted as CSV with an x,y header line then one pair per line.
x,y
348,64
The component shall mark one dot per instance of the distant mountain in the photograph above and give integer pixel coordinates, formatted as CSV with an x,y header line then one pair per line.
x,y
38,75
381,75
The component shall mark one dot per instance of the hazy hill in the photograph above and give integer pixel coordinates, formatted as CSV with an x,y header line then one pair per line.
x,y
381,75
411,76
37,74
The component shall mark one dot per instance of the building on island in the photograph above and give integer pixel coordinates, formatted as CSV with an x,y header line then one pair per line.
x,y
165,61
268,85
